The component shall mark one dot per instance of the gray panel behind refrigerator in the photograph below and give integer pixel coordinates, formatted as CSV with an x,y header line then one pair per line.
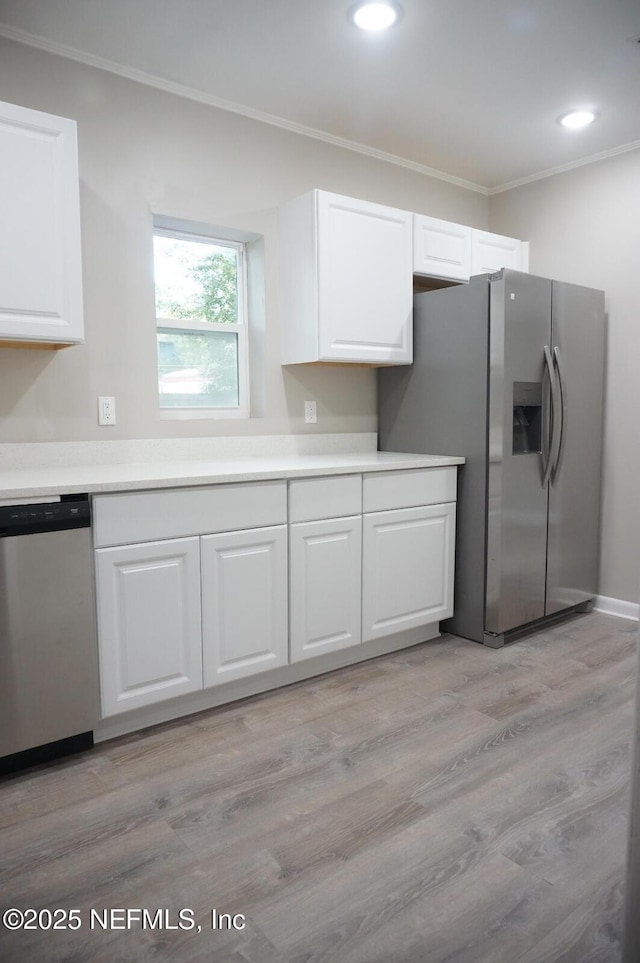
x,y
438,405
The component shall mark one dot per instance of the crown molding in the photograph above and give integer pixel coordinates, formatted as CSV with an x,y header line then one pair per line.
x,y
563,168
210,100
191,93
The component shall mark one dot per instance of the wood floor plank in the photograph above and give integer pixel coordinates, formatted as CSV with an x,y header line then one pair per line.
x,y
559,720
46,789
336,832
591,934
447,803
249,945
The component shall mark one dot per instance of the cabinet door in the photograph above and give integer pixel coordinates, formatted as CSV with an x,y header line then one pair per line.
x,y
492,252
365,289
407,574
440,248
244,603
325,586
148,623
41,278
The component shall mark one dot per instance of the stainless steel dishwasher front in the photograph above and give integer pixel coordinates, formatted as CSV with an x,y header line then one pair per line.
x,y
48,647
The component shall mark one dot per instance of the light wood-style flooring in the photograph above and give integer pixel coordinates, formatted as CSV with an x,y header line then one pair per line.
x,y
445,803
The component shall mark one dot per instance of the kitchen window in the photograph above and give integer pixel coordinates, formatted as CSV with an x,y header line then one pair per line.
x,y
201,298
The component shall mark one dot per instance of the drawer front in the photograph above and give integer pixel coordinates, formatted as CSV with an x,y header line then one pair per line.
x,y
385,491
312,499
122,519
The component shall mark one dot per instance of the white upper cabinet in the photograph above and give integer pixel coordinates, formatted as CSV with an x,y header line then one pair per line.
x,y
441,248
492,252
41,276
346,268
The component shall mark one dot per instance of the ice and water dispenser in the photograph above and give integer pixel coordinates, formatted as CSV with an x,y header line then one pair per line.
x,y
527,417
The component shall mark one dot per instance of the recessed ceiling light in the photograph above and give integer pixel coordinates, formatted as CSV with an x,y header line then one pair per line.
x,y
578,118
375,16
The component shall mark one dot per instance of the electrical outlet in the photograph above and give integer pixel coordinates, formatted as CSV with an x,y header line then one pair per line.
x,y
106,411
310,413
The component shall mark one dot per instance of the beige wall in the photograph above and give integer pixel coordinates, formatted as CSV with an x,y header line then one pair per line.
x,y
143,151
584,227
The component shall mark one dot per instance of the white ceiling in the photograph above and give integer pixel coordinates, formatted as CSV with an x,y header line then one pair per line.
x,y
470,88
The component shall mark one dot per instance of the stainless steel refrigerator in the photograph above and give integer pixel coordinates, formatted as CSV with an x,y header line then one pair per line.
x,y
508,371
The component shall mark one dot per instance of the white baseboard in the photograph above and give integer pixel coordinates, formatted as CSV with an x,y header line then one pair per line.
x,y
624,610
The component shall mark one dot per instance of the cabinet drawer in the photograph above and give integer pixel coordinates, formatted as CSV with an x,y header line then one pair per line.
x,y
122,519
311,499
384,491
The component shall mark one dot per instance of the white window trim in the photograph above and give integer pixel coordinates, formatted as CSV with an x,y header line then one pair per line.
x,y
163,325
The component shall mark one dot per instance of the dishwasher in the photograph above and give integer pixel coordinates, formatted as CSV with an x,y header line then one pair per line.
x,y
48,643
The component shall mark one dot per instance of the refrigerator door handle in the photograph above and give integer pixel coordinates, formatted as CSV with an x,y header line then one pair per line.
x,y
562,408
554,436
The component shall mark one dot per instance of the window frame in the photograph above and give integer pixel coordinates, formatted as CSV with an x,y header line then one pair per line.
x,y
194,326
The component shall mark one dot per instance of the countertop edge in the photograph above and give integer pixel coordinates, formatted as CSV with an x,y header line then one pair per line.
x,y
130,477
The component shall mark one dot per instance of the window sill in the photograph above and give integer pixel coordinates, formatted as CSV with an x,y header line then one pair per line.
x,y
189,414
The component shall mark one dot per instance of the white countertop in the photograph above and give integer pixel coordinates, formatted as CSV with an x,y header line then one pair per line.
x,y
58,479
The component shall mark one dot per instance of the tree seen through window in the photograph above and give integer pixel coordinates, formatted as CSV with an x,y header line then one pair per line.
x,y
198,295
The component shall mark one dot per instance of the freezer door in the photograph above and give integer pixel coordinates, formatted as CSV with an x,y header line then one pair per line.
x,y
574,495
520,328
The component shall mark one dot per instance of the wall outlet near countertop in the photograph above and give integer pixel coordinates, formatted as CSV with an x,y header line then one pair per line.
x,y
106,411
310,413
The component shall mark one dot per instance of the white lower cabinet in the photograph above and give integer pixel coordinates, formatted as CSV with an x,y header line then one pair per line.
x,y
319,565
148,599
186,592
244,603
325,586
407,577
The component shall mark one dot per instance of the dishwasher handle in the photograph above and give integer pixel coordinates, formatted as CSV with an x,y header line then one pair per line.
x,y
71,511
